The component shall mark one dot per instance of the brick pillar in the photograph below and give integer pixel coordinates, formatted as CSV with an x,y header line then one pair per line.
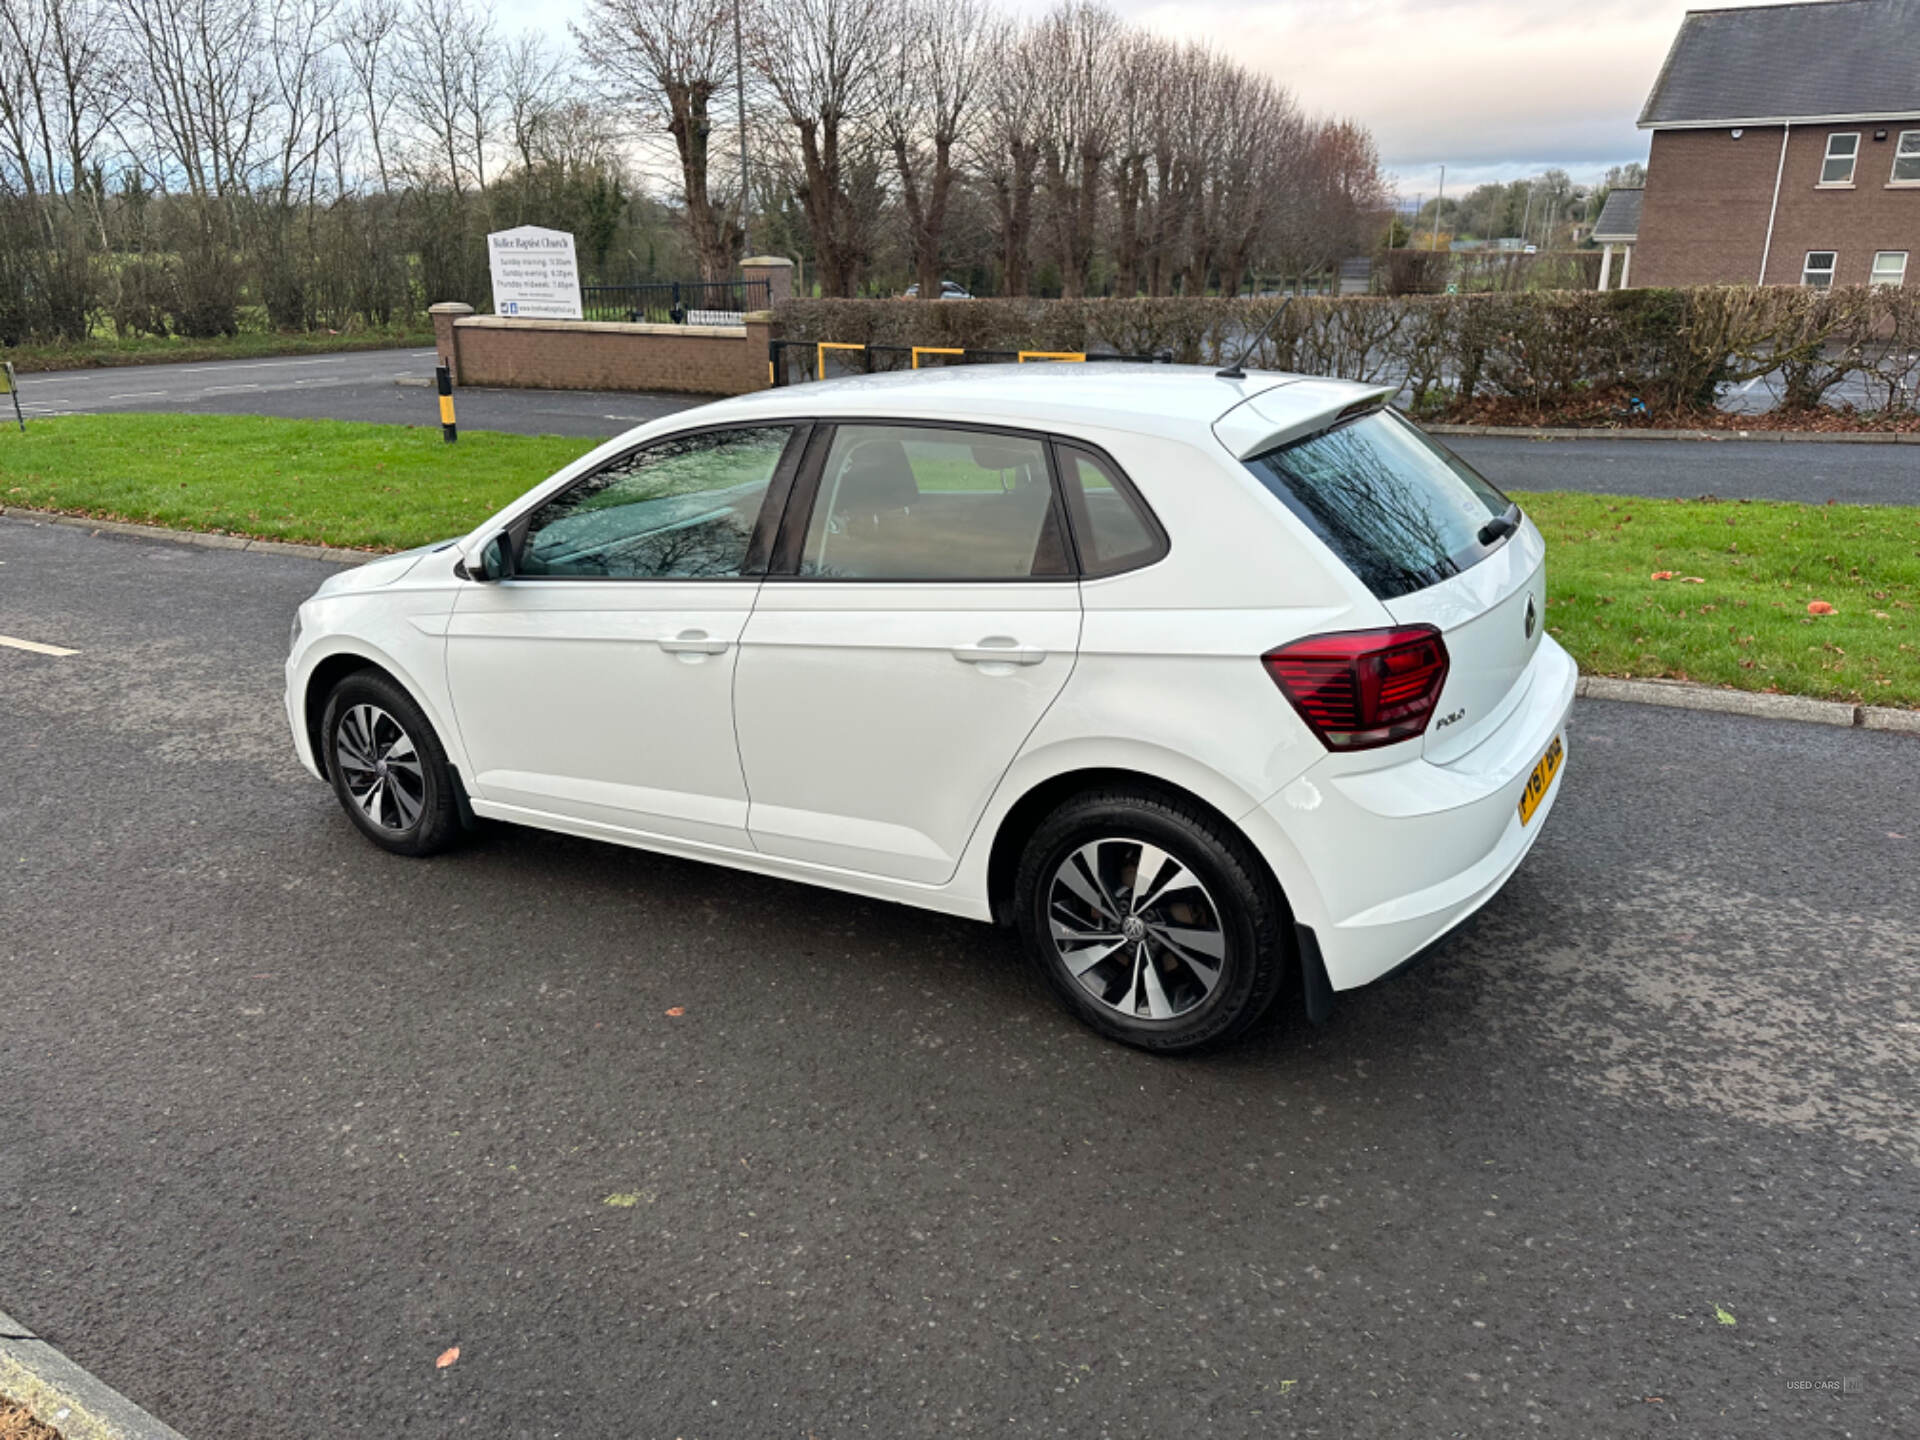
x,y
444,340
754,374
776,270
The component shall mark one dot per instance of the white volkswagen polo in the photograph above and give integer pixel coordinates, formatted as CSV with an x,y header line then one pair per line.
x,y
1199,681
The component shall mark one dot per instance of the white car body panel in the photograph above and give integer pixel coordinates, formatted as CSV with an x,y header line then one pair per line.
x,y
867,744
571,703
867,758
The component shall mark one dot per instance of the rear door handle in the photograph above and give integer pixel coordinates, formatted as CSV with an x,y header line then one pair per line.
x,y
692,642
999,650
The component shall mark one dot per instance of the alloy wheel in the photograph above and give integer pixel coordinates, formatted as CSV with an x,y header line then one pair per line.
x,y
1136,929
380,766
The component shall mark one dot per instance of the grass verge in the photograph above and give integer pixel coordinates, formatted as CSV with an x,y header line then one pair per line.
x,y
1746,624
326,482
248,345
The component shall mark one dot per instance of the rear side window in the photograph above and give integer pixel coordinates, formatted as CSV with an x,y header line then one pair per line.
x,y
909,502
1401,512
1110,527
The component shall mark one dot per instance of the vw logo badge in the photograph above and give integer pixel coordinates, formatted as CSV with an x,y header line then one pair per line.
x,y
1533,617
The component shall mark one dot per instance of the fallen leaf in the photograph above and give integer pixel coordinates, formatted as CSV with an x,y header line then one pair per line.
x,y
1663,574
1692,580
1819,607
1724,1315
447,1357
678,1010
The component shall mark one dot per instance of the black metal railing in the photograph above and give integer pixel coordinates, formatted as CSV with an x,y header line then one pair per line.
x,y
676,302
818,360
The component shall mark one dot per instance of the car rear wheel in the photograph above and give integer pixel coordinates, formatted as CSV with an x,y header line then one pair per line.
x,y
387,766
1152,919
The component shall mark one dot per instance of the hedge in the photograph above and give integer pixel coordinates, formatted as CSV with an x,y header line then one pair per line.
x,y
1675,349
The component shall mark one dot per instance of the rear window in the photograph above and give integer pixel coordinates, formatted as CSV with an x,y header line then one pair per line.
x,y
1401,512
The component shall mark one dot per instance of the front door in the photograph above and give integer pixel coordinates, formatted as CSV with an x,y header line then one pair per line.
x,y
931,617
596,682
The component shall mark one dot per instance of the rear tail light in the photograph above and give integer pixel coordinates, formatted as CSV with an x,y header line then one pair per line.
x,y
1363,688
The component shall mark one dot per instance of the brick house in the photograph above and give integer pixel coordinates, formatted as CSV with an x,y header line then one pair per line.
x,y
1785,148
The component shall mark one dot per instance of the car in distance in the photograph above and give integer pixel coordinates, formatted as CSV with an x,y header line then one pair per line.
x,y
949,290
1206,686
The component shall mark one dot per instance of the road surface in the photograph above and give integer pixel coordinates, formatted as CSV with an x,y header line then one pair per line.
x,y
284,1118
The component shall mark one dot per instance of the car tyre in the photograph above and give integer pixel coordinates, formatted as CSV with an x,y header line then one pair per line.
x,y
1187,958
388,767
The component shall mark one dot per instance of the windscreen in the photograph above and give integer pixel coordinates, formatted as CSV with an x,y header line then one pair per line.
x,y
1400,511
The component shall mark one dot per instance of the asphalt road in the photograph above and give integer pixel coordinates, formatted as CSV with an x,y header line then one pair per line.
x,y
363,386
283,1118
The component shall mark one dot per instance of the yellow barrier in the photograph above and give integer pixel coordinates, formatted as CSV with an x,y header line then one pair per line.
x,y
820,355
920,350
1026,355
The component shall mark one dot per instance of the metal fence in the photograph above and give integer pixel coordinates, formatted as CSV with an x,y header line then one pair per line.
x,y
818,357
676,302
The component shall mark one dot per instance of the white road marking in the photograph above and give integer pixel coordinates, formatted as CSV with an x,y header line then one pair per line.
x,y
219,390
137,395
35,646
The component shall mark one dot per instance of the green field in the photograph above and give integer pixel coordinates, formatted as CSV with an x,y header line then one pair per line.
x,y
1745,625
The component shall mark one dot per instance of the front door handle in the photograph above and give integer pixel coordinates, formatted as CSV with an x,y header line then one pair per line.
x,y
692,642
999,650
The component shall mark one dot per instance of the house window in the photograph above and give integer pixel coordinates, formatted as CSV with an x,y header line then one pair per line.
x,y
1889,268
1906,159
1842,151
1818,271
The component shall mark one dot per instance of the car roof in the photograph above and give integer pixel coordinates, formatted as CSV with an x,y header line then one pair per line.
x,y
1109,395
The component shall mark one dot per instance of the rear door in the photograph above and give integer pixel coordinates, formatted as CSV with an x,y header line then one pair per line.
x,y
921,616
1437,544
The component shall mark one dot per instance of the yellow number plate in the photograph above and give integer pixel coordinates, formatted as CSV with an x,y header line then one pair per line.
x,y
1541,780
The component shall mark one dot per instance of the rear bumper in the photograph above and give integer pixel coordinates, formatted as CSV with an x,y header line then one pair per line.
x,y
1397,856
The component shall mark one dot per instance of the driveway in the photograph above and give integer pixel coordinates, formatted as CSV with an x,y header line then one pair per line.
x,y
283,1118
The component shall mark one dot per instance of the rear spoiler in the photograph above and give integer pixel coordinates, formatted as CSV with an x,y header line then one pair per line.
x,y
1274,417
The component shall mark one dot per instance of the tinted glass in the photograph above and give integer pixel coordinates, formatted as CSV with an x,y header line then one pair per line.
x,y
1401,512
1906,159
1112,533
680,509
915,503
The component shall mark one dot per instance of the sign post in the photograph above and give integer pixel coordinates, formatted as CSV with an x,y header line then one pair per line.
x,y
11,385
535,274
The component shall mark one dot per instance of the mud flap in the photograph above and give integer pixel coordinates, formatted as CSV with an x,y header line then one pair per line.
x,y
1316,988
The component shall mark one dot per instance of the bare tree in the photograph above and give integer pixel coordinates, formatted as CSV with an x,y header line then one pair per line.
x,y
367,37
1074,47
1006,152
444,74
669,61
820,60
929,98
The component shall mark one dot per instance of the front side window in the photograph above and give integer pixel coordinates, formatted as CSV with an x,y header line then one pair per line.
x,y
1842,151
1906,159
909,502
1818,271
1400,511
1889,268
683,508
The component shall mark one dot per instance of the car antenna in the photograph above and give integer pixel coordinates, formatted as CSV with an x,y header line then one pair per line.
x,y
1237,370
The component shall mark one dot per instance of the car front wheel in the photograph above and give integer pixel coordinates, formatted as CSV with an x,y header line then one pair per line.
x,y
1153,920
387,766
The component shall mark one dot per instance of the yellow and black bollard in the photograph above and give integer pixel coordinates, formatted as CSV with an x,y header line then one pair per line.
x,y
448,429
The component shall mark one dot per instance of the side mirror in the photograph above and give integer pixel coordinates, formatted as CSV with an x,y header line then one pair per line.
x,y
493,561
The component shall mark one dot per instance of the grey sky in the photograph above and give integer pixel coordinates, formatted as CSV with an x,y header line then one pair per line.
x,y
1495,89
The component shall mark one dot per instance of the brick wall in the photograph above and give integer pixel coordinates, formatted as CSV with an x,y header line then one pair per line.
x,y
599,355
1704,220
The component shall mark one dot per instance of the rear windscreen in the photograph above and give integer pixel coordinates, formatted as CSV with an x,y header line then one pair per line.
x,y
1401,512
